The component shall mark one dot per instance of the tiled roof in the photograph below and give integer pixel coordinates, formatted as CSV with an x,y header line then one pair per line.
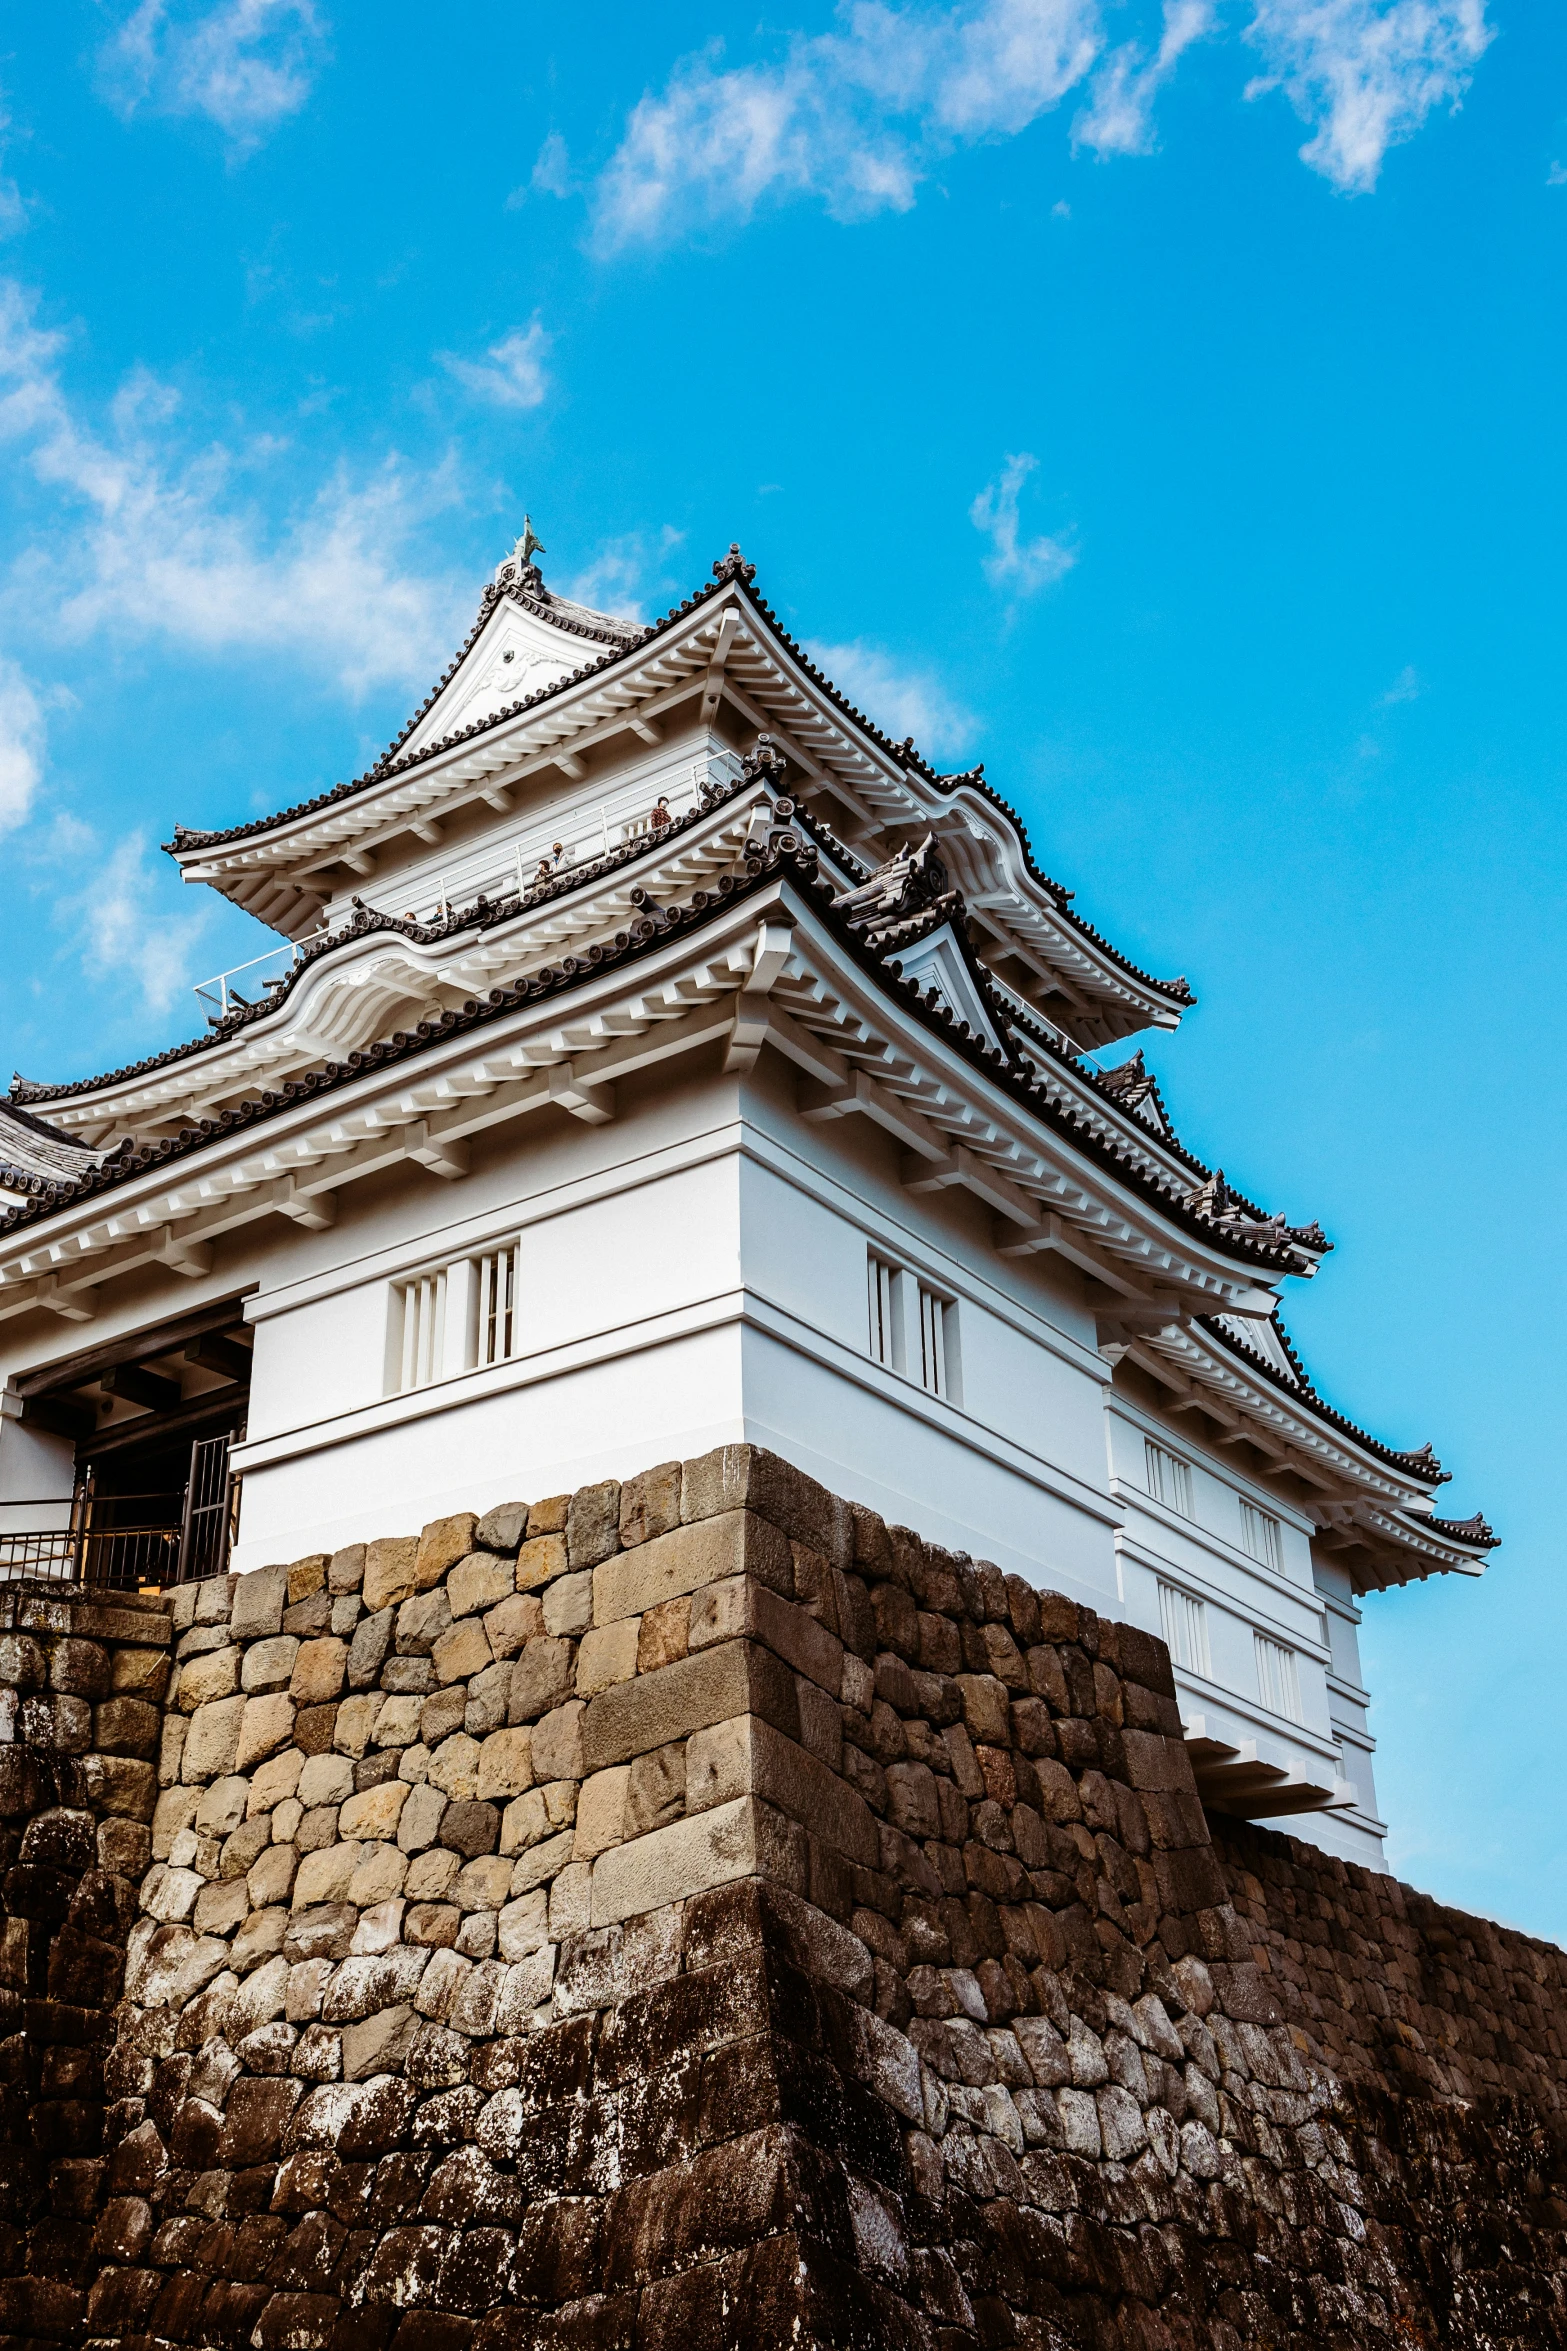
x,y
789,851
483,914
730,567
1420,1463
36,1158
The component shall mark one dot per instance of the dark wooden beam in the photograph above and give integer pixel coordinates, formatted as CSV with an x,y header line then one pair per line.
x,y
90,1363
216,1406
60,1416
219,1351
135,1384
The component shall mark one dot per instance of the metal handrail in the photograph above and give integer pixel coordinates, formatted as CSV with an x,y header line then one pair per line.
x,y
216,992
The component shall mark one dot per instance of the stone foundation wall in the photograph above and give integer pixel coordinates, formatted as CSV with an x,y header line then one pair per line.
x,y
82,1683
692,1913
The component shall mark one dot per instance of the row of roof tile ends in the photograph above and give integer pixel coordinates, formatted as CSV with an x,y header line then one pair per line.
x,y
887,913
526,588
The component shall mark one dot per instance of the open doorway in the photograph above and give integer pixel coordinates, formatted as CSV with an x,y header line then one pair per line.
x,y
143,1427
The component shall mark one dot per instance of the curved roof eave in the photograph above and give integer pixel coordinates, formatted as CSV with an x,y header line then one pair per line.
x,y
191,845
989,1061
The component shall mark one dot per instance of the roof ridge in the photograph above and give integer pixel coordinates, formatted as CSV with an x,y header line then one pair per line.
x,y
1420,1460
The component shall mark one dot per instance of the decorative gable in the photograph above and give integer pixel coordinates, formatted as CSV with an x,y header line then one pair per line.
x,y
938,961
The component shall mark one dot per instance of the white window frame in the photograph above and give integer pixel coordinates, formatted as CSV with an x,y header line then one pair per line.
x,y
454,1318
1278,1677
1262,1536
1169,1478
1183,1620
912,1327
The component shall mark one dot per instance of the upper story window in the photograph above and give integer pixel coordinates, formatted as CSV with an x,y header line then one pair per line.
x,y
1183,1620
1278,1678
1169,1478
1262,1536
458,1317
913,1328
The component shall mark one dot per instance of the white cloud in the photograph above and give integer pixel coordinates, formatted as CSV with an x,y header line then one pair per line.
x,y
627,574
21,746
899,700
149,544
855,117
1118,119
1405,687
1014,563
552,170
1365,74
119,935
1556,177
244,64
511,373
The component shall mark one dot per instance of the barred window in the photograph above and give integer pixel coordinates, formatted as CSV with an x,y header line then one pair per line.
x,y
934,1312
1183,1619
1169,1478
883,1304
455,1318
1278,1678
913,1329
1262,1536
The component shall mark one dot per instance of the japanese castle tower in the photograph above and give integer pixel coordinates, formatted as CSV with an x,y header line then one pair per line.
x,y
659,1056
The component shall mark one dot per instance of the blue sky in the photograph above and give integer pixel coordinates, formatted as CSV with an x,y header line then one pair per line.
x,y
1166,409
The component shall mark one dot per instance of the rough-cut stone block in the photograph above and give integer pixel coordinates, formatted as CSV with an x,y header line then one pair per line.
x,y
505,1764
325,1877
593,1524
461,1652
266,1725
375,1813
738,1677
502,1528
268,1665
259,1601
212,1741
540,1560
608,1654
390,1571
480,1581
601,1812
739,1477
319,1671
736,1543
650,1504
744,1606
748,1757
204,1678
441,1544
127,1726
345,1570
557,1743
669,1865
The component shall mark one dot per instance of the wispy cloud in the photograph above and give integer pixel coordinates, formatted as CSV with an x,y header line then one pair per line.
x,y
116,929
21,746
245,65
511,373
1015,564
1365,74
855,117
145,542
552,169
628,574
1118,119
899,699
1405,687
